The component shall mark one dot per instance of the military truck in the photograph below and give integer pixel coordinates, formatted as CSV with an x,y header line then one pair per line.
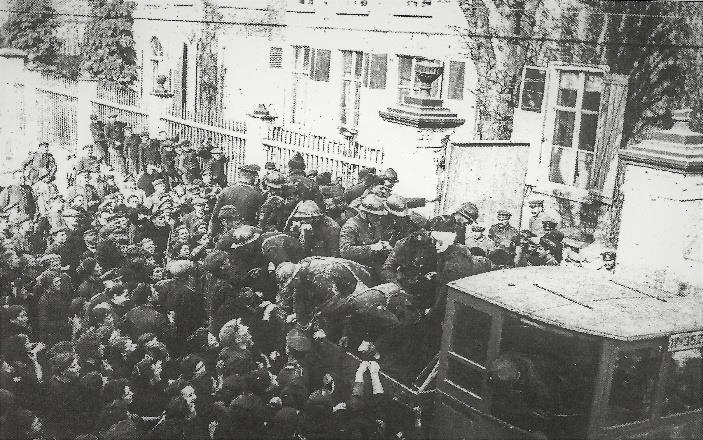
x,y
556,352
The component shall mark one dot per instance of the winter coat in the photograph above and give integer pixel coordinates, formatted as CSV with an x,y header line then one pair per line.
x,y
246,199
355,240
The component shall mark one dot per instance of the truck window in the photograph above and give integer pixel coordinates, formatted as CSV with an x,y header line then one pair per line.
x,y
543,378
468,348
682,389
632,386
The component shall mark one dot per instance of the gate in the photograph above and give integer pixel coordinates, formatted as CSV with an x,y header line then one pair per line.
x,y
56,103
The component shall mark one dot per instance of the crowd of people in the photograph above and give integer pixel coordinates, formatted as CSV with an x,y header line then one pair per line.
x,y
153,299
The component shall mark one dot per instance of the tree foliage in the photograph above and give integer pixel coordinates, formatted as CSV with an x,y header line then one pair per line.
x,y
109,46
638,39
33,29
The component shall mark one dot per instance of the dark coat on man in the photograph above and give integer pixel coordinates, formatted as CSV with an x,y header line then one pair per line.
x,y
355,240
189,307
304,188
146,182
133,150
247,199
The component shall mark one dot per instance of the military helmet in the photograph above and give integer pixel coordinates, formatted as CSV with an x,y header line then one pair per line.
x,y
297,162
307,209
373,204
228,211
468,210
504,213
243,235
396,206
274,179
390,174
297,340
550,220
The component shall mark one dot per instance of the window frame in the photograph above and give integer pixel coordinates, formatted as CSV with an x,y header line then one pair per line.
x,y
359,60
543,184
481,402
300,73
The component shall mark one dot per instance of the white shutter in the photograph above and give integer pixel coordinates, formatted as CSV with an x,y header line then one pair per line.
x,y
609,134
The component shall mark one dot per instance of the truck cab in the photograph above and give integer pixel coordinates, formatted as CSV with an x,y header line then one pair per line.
x,y
555,352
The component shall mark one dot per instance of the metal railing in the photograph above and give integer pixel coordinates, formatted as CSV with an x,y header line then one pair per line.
x,y
118,94
232,141
135,117
341,158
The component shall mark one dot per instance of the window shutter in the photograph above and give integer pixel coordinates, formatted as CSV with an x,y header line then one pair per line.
x,y
377,71
276,58
367,63
321,65
609,134
455,88
532,92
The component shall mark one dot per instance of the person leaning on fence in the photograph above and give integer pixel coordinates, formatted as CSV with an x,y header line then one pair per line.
x,y
132,150
114,135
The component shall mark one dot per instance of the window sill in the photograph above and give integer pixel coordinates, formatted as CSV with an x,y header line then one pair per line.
x,y
572,193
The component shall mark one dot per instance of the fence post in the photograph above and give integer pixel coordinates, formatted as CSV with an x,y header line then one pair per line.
x,y
14,132
258,125
157,105
87,91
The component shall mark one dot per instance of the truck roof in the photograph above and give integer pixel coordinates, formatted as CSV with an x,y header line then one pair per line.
x,y
588,301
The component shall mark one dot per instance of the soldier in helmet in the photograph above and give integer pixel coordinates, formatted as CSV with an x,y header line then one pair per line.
x,y
400,222
317,233
275,211
333,195
503,234
228,218
361,237
302,187
244,195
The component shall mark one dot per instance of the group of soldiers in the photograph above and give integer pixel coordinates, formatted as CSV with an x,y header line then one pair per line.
x,y
206,304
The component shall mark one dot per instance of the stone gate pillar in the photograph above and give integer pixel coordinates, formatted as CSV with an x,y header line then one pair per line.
x,y
87,91
661,229
419,137
259,123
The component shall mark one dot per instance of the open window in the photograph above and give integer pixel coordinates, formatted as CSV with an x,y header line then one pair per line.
x,y
683,382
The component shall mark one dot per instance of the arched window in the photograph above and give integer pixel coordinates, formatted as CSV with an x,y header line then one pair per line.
x,y
158,65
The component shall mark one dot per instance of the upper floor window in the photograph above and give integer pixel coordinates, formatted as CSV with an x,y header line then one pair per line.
x,y
320,63
276,57
575,128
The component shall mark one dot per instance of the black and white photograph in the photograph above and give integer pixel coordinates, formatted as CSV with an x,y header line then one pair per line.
x,y
351,220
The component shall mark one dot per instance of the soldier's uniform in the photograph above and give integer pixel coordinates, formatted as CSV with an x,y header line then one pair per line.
x,y
133,147
358,234
114,135
552,238
190,163
41,165
275,211
534,222
301,186
168,163
482,245
321,238
246,198
97,129
401,222
503,234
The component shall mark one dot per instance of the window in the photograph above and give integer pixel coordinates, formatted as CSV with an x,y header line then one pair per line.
x,y
543,378
575,128
375,68
533,79
632,386
407,83
468,348
276,58
157,65
682,386
320,62
301,72
455,88
352,68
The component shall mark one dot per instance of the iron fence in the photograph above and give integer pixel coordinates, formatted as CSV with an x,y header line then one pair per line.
x,y
342,159
232,142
